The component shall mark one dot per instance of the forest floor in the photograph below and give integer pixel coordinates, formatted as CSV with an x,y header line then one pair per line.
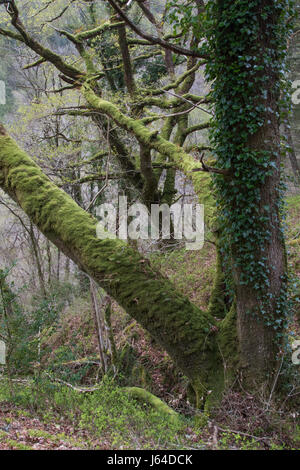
x,y
21,431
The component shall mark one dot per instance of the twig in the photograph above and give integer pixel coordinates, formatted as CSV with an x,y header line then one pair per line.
x,y
210,169
77,389
274,384
187,101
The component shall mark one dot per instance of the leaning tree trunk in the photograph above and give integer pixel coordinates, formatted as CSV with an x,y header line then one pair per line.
x,y
189,335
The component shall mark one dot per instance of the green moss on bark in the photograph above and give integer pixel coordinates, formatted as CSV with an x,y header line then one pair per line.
x,y
144,396
184,331
217,305
226,360
183,161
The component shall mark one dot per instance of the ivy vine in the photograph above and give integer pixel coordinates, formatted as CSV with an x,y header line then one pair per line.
x,y
247,42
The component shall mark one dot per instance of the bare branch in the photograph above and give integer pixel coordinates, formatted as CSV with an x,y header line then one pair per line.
x,y
36,63
210,169
43,52
155,40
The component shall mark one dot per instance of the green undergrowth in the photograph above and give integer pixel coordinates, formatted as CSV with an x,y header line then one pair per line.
x,y
109,414
13,443
110,418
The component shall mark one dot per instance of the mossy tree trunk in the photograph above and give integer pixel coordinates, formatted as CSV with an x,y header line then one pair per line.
x,y
189,335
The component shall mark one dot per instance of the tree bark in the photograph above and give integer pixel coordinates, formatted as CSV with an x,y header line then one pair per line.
x,y
248,140
258,345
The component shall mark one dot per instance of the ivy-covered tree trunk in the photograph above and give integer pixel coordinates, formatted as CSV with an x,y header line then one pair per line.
x,y
261,300
248,41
